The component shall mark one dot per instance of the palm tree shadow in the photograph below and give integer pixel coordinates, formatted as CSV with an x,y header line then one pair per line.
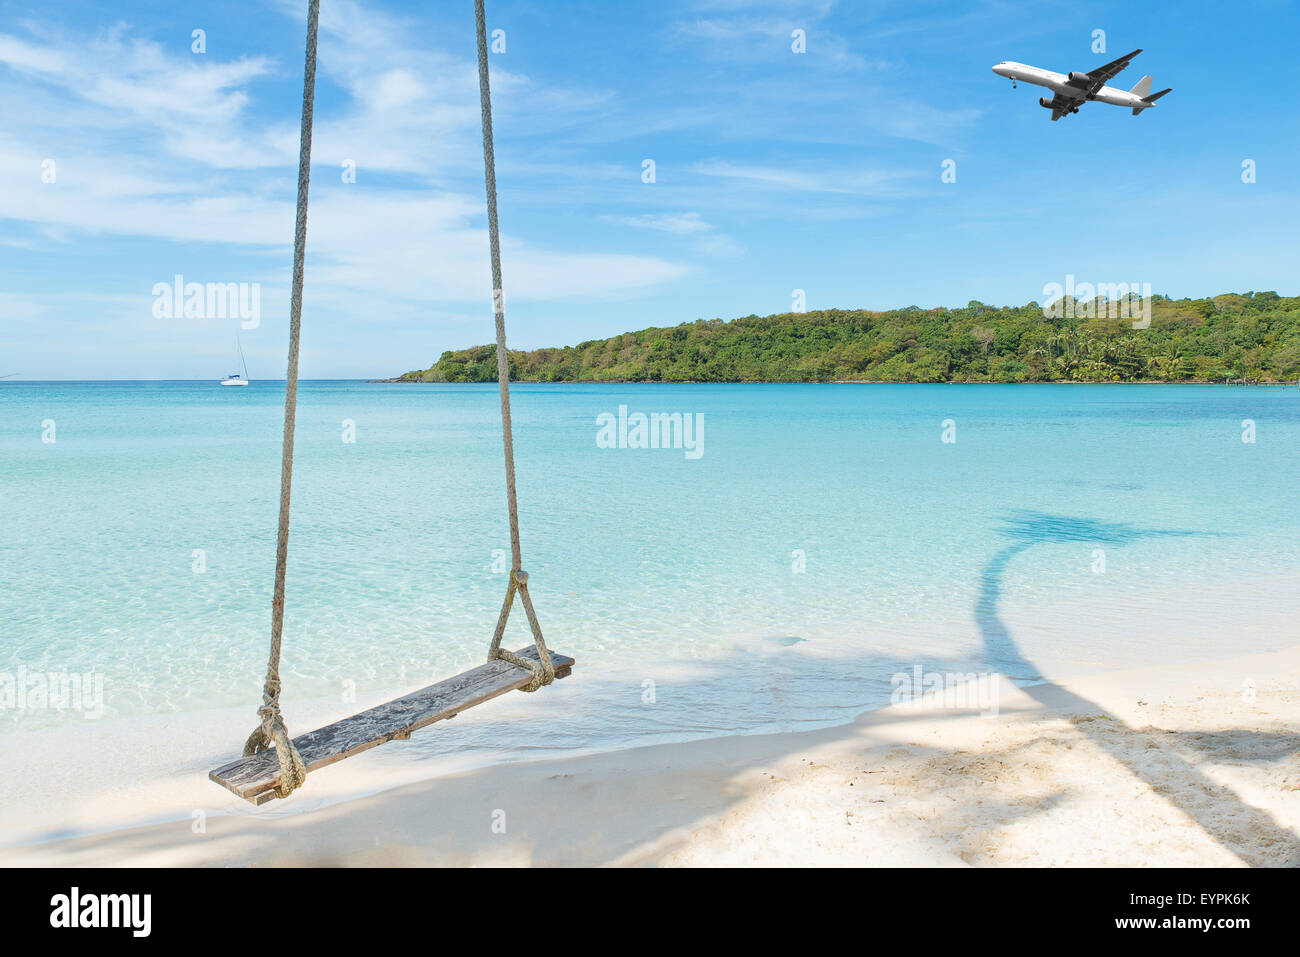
x,y
1187,786
1024,529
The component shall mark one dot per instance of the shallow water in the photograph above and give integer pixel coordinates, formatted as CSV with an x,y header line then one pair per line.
x,y
825,540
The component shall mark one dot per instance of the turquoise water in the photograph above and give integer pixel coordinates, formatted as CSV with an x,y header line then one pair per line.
x,y
677,583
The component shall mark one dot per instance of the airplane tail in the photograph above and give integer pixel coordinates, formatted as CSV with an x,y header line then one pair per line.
x,y
1149,100
1142,87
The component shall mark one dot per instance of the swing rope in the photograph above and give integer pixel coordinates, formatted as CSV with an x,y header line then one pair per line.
x,y
272,732
543,670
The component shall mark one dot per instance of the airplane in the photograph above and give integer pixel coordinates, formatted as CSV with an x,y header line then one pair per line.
x,y
1073,90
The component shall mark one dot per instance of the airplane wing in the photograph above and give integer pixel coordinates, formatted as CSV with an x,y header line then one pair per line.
x,y
1092,81
1064,106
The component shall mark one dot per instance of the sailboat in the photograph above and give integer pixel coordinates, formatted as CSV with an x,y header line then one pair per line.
x,y
235,378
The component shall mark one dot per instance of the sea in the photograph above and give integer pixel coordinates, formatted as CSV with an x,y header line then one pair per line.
x,y
719,559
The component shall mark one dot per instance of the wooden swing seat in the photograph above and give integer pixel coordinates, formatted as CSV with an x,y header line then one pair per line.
x,y
256,777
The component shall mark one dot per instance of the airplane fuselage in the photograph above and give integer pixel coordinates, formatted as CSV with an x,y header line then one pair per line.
x,y
1060,83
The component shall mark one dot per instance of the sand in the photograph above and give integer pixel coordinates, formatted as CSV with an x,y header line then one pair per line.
x,y
1187,765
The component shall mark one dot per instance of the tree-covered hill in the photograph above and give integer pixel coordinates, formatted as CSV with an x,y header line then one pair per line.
x,y
1252,336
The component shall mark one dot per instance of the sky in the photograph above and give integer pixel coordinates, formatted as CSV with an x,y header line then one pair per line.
x,y
129,157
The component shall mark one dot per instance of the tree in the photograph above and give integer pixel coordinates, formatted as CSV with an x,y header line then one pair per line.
x,y
1198,340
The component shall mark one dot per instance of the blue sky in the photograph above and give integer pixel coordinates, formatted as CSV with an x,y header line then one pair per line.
x,y
775,171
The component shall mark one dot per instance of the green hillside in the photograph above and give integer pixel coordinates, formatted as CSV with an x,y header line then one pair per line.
x,y
1255,336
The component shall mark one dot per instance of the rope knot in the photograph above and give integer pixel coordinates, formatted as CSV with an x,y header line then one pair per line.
x,y
543,671
272,733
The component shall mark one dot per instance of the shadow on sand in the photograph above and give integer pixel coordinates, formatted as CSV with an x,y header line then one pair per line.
x,y
641,805
1024,530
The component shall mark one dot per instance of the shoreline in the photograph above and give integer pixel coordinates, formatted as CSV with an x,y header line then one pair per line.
x,y
136,768
1162,766
1284,384
1276,384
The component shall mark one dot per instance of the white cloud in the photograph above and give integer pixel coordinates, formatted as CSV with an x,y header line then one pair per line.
x,y
755,30
211,169
14,307
678,223
25,56
720,246
195,107
859,182
705,239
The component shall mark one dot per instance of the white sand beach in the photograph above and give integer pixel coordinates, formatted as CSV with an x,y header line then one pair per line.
x,y
1185,765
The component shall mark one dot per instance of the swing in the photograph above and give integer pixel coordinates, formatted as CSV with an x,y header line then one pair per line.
x,y
273,765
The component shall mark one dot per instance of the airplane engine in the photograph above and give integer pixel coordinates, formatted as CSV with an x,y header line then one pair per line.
x,y
1078,77
1044,101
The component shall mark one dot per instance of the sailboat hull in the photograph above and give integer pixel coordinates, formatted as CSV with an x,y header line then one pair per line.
x,y
236,378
